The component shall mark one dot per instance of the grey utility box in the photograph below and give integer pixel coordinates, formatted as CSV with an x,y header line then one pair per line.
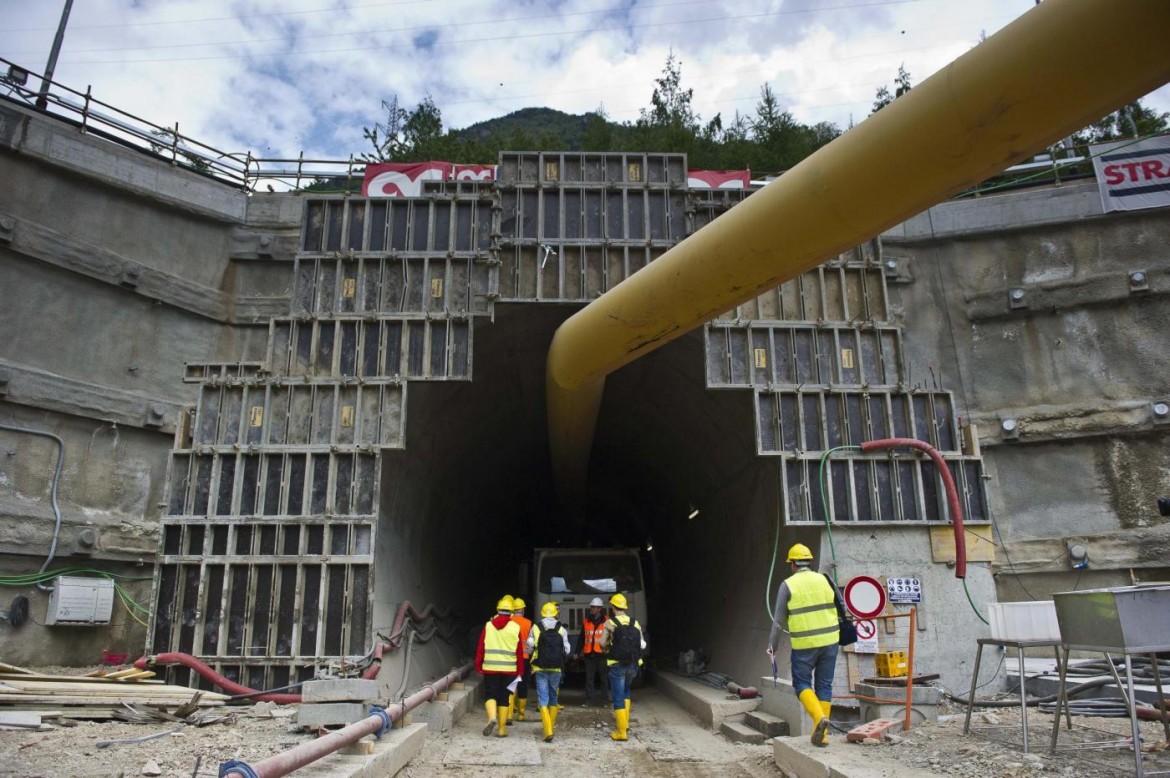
x,y
1127,619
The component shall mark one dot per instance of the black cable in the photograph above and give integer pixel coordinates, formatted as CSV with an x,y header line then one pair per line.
x,y
1031,702
266,691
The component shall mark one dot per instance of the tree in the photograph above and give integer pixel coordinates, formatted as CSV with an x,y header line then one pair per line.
x,y
1130,121
882,97
598,132
670,122
422,132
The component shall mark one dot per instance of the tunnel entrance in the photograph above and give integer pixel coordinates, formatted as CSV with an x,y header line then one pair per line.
x,y
392,444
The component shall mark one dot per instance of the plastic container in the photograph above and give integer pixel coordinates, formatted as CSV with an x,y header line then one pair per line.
x,y
891,664
1024,621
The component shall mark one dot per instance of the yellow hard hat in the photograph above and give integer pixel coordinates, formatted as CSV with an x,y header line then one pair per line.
x,y
799,552
517,604
505,603
619,601
549,610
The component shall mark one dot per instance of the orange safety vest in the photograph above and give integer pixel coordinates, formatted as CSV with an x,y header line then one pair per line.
x,y
594,636
525,627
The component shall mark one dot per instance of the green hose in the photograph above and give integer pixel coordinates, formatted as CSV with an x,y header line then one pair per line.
x,y
825,501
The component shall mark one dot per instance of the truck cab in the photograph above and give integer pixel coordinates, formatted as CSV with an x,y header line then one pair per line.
x,y
571,577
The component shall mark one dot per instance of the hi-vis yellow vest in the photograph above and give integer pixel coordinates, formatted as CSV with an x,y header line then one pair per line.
x,y
812,614
499,648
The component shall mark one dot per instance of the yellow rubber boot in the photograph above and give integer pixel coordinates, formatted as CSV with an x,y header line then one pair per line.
x,y
826,707
808,698
522,705
511,706
552,712
490,706
546,720
502,722
628,700
622,720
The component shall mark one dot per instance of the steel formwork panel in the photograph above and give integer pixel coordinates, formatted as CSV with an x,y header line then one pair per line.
x,y
792,421
218,484
881,488
225,608
394,349
199,372
589,168
569,272
287,414
431,223
706,205
398,283
775,354
552,214
841,290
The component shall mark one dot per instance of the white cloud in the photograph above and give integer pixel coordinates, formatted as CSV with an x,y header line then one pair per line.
x,y
277,78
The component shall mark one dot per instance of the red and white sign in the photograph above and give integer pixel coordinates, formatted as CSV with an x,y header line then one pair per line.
x,y
719,179
867,639
1131,176
865,597
402,179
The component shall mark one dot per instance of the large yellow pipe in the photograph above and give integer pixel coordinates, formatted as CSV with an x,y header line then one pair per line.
x,y
1062,65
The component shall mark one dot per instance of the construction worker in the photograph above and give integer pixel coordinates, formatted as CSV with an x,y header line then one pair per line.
x,y
806,607
499,658
519,700
590,648
548,645
624,644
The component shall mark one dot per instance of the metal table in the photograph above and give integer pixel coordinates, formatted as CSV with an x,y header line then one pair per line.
x,y
1128,621
1019,646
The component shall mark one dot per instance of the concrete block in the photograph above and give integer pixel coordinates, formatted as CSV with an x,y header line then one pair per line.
x,y
772,726
391,753
709,705
741,733
924,702
874,729
799,757
331,714
339,690
781,701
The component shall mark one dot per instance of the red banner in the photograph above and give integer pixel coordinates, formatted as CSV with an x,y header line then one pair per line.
x,y
475,172
402,179
719,179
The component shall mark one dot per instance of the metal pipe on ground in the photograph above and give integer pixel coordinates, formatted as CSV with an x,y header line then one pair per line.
x,y
307,753
1062,65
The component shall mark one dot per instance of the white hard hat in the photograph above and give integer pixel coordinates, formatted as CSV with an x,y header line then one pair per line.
x,y
596,601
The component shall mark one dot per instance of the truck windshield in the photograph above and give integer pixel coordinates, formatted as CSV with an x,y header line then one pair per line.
x,y
590,574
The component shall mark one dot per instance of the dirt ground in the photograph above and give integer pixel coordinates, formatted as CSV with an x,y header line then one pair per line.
x,y
664,741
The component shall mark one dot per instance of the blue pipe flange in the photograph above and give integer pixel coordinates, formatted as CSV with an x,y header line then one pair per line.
x,y
386,722
237,766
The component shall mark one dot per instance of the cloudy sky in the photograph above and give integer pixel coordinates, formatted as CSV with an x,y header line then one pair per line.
x,y
276,77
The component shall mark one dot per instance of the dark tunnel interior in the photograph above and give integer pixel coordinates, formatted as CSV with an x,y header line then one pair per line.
x,y
472,494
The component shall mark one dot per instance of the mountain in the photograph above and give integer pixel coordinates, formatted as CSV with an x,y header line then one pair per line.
x,y
566,130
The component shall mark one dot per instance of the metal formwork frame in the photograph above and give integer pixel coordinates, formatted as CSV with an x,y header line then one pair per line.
x,y
576,272
792,354
434,222
843,290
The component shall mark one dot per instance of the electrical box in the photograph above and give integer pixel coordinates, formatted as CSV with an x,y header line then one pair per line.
x,y
77,601
891,664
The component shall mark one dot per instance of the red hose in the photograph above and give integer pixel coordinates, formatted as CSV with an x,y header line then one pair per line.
x,y
944,473
186,660
405,611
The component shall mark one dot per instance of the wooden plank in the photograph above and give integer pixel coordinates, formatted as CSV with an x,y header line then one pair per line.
x,y
78,678
980,544
59,700
113,690
20,718
7,668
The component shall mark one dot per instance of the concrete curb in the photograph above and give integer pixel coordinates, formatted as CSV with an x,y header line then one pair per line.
x,y
708,704
797,756
392,752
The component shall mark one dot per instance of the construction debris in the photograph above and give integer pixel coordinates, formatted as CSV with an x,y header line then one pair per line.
x,y
102,694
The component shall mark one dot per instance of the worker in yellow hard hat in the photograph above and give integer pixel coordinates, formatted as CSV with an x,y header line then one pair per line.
x,y
518,703
548,644
499,658
624,644
807,608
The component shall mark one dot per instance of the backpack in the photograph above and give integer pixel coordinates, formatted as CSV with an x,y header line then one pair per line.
x,y
550,649
625,646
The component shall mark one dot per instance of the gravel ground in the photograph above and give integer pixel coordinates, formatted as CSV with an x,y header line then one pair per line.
x,y
664,742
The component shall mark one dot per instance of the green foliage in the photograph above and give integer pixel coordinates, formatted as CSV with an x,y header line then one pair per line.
x,y
170,145
1130,121
770,141
882,97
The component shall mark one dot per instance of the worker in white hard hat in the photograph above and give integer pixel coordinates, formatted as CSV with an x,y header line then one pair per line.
x,y
806,608
591,649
